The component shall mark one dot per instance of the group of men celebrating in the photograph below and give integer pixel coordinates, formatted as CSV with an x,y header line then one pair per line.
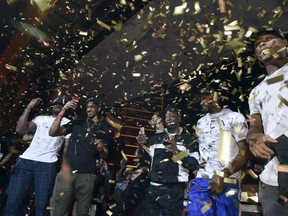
x,y
212,163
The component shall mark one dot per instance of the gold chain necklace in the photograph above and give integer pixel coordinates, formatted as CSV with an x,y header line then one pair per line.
x,y
90,126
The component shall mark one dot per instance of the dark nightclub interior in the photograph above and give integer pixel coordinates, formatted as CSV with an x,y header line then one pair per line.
x,y
136,56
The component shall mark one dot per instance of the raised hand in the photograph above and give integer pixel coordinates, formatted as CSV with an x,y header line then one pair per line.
x,y
72,104
34,102
141,139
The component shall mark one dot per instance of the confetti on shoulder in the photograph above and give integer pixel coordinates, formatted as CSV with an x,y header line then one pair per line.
x,y
275,79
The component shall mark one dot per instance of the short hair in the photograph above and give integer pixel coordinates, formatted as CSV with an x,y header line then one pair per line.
x,y
171,108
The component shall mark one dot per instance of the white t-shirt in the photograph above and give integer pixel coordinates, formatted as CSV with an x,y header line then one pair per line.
x,y
43,147
269,100
211,128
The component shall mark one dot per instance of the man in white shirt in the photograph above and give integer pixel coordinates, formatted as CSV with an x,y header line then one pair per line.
x,y
223,153
38,164
269,114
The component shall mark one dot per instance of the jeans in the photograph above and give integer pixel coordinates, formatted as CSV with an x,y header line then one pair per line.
x,y
164,200
25,173
268,197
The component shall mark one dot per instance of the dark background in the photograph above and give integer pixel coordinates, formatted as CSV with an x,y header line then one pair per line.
x,y
74,55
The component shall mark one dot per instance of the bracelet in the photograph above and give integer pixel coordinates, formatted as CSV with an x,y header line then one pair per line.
x,y
60,115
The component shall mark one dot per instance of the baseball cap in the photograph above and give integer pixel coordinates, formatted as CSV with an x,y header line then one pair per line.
x,y
59,101
95,101
274,31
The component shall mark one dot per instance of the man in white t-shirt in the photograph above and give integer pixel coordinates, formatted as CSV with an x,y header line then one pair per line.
x,y
269,114
38,164
223,153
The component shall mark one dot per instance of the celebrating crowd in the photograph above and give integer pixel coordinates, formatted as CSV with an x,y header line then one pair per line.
x,y
205,168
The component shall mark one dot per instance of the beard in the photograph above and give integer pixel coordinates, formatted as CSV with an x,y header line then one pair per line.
x,y
55,109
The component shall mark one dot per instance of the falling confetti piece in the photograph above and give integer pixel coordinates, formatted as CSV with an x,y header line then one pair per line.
x,y
283,100
206,207
124,155
230,181
180,9
104,25
179,156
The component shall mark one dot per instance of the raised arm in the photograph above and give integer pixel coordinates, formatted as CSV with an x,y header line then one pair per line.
x,y
23,126
56,128
257,139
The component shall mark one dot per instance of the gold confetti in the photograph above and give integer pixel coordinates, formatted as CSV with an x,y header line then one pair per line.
x,y
200,28
253,200
138,57
197,130
215,96
252,174
146,149
136,74
124,155
206,207
83,33
224,146
132,6
11,67
237,129
202,42
230,181
232,26
250,31
278,11
42,5
111,181
243,176
112,206
283,100
197,7
231,192
220,173
123,2
109,213
104,25
252,97
179,156
180,9
164,160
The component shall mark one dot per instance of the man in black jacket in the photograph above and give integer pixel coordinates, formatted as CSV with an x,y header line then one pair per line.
x,y
174,156
88,141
